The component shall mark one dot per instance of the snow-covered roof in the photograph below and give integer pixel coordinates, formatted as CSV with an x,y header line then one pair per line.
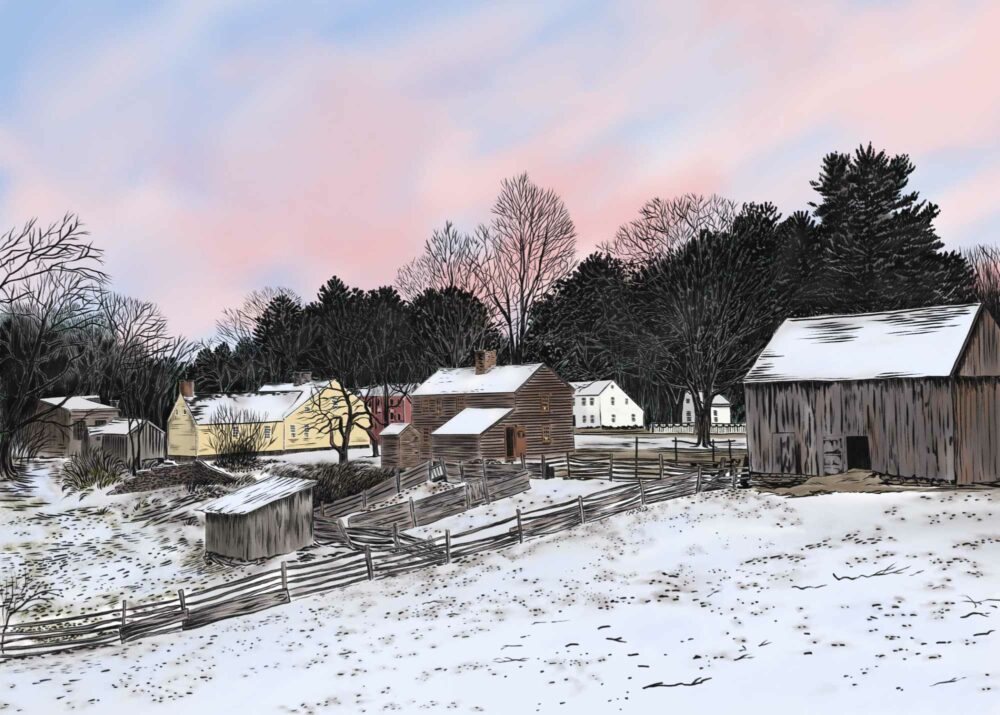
x,y
267,406
464,380
395,428
74,404
923,342
473,420
254,496
393,390
119,426
591,388
718,400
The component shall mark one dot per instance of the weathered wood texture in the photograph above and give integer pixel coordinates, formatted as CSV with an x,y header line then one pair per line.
x,y
402,449
280,527
800,428
977,431
981,356
543,405
147,443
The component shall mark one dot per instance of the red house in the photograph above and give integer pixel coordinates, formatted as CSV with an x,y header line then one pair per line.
x,y
397,397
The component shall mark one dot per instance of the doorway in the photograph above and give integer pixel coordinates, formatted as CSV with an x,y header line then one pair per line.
x,y
516,440
859,454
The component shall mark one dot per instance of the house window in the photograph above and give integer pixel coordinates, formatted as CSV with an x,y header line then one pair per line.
x,y
591,419
235,430
267,431
80,430
98,423
612,400
612,416
591,401
305,431
546,399
438,406
688,418
715,415
546,434
633,417
626,399
291,431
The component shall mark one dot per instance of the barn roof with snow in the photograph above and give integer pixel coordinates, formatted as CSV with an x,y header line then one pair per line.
x,y
394,428
463,380
254,496
473,421
921,342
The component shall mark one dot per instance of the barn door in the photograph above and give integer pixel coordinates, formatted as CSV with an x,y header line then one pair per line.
x,y
786,452
859,454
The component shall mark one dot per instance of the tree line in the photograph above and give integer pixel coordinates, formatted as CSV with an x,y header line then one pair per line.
x,y
681,299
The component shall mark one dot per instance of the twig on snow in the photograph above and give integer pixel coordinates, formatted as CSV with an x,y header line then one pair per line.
x,y
697,681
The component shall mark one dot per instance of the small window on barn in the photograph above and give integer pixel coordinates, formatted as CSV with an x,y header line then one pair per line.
x,y
98,423
438,406
291,431
546,434
546,402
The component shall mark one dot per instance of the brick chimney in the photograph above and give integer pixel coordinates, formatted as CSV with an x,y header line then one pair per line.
x,y
485,359
301,378
186,388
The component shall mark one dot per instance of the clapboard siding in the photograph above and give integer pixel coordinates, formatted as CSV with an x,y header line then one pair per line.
x,y
401,449
981,357
909,424
977,434
557,419
279,527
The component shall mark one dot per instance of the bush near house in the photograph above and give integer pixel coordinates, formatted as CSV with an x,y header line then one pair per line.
x,y
337,481
92,469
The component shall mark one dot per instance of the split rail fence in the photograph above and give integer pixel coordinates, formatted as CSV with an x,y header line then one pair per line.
x,y
378,553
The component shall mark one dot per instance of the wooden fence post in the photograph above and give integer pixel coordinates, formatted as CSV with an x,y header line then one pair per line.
x,y
461,471
545,472
730,448
637,456
661,465
468,497
284,580
583,517
395,535
486,484
399,482
413,513
121,629
732,471
447,546
569,470
642,492
712,441
520,529
675,449
183,600
444,470
523,465
369,564
611,466
430,462
697,486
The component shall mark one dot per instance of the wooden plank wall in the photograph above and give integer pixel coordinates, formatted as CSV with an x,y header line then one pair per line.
x,y
529,413
909,425
977,431
982,352
426,419
280,527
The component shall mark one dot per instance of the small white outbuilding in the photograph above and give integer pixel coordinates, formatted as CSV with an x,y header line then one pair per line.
x,y
602,403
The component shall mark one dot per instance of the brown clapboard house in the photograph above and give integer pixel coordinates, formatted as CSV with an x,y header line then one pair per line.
x,y
488,411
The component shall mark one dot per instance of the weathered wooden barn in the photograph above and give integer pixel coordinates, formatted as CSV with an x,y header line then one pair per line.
x,y
475,433
400,445
271,517
540,404
67,421
131,440
911,393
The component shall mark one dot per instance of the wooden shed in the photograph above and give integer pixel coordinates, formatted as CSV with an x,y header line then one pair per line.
x,y
474,433
131,440
271,517
911,393
400,445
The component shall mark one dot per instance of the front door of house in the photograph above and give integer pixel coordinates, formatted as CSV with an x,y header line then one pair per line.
x,y
516,440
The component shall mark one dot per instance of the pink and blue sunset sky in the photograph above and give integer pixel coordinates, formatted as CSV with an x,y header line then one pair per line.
x,y
214,147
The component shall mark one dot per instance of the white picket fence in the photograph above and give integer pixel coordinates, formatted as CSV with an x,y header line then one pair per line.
x,y
689,428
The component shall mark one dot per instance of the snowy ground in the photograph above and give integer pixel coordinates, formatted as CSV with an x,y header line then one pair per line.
x,y
654,442
322,456
96,549
724,602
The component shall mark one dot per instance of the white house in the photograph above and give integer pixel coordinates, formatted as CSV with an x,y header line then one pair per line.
x,y
601,403
721,412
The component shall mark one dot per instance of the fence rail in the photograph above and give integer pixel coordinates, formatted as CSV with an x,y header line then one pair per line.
x,y
379,553
690,428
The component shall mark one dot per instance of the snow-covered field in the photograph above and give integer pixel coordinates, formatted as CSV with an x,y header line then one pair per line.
x,y
723,602
657,442
324,456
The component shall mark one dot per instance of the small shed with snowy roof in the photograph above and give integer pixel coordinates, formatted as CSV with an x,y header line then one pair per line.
x,y
539,417
271,517
911,393
400,445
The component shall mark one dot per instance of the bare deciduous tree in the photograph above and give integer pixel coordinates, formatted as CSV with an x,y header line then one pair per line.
x,y
450,260
665,224
238,324
336,416
527,248
18,593
985,263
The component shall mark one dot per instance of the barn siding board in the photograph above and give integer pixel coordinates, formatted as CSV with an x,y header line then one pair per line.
x,y
981,357
401,449
977,418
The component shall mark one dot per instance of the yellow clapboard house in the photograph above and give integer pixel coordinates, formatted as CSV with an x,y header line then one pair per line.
x,y
290,417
